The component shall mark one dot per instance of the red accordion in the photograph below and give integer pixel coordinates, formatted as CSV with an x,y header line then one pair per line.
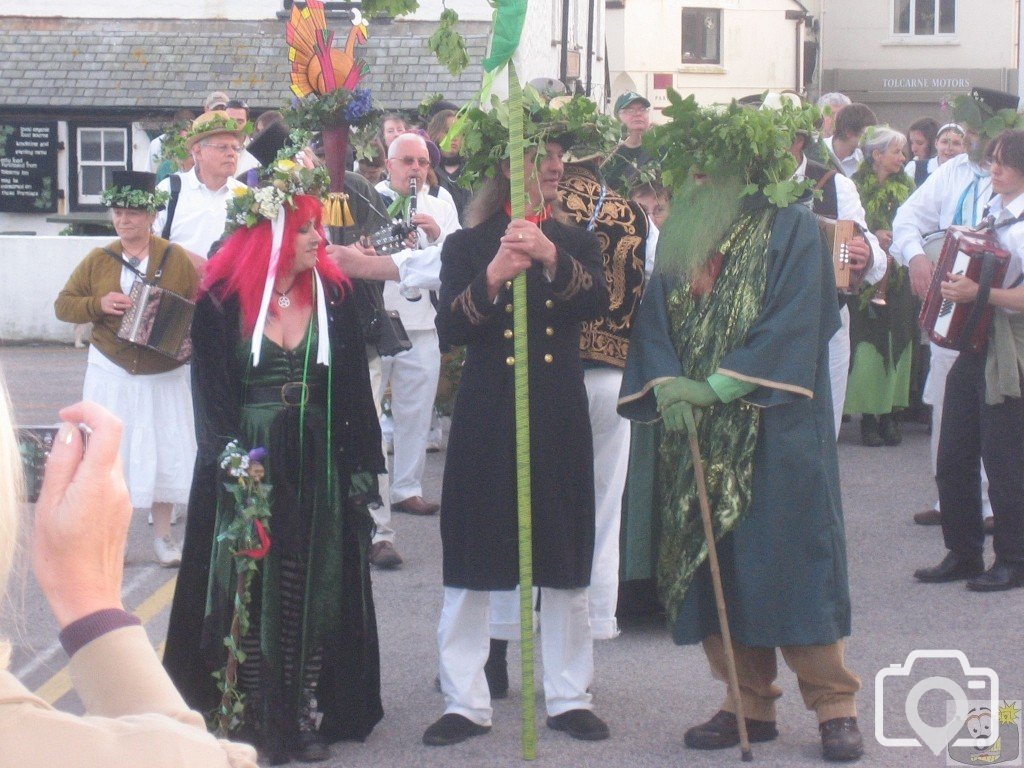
x,y
976,254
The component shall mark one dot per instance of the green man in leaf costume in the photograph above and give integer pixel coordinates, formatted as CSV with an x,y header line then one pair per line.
x,y
732,339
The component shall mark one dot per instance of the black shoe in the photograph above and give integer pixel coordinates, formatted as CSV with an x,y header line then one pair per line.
x,y
869,434
580,724
723,731
890,430
452,729
952,568
997,578
841,740
310,749
496,669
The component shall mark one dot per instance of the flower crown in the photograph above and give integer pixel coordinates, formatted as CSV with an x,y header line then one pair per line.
x,y
282,182
137,199
733,140
485,133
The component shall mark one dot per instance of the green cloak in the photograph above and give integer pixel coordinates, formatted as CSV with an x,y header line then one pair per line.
x,y
774,491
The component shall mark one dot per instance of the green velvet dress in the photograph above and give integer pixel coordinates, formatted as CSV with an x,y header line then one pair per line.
x,y
297,602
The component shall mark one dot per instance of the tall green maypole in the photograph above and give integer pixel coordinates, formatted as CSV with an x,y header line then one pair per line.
x,y
509,18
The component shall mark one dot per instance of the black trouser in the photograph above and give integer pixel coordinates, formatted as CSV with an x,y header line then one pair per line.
x,y
972,430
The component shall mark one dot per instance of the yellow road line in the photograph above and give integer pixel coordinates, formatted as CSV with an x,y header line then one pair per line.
x,y
58,686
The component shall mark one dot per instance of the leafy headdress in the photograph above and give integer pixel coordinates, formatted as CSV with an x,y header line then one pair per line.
x,y
988,113
485,132
134,190
735,141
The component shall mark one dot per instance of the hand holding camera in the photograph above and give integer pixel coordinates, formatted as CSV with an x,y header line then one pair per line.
x,y
82,516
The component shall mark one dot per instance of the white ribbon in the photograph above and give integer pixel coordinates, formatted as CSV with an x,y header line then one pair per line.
x,y
277,230
323,347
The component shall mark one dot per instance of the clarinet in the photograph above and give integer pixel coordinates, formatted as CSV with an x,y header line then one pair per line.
x,y
407,292
412,201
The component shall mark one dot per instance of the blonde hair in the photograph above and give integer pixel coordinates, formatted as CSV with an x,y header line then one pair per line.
x,y
10,492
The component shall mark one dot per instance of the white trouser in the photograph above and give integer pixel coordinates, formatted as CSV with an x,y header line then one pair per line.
x,y
935,395
463,639
381,514
413,377
611,460
839,364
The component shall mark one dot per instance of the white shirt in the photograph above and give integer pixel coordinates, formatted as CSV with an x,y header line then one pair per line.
x,y
200,215
851,162
420,267
651,249
1010,237
849,207
933,206
156,148
246,161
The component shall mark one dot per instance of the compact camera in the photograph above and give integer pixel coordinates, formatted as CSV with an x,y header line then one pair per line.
x,y
34,444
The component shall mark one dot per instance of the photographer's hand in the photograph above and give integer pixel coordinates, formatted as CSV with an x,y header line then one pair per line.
x,y
82,517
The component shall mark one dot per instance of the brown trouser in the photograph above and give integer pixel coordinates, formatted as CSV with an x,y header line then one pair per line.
x,y
827,686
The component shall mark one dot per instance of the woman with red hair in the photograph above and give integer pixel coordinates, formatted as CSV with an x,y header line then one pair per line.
x,y
279,363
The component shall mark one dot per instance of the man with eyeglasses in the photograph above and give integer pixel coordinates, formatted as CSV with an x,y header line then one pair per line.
x,y
197,211
626,167
410,274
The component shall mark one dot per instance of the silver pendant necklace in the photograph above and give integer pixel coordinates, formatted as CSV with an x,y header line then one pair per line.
x,y
282,297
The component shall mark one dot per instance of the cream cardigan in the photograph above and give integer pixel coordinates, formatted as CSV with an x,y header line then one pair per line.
x,y
135,716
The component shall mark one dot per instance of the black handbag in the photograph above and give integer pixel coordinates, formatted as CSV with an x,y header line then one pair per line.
x,y
382,328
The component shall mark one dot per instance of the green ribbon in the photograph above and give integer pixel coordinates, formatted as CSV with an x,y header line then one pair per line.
x,y
508,20
400,207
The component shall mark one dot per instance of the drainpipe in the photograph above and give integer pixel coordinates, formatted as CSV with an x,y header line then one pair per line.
x,y
1020,46
590,46
564,61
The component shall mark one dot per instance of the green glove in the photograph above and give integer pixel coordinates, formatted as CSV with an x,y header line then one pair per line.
x,y
682,389
679,417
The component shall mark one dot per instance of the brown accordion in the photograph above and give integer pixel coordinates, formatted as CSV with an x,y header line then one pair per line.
x,y
160,320
838,234
978,256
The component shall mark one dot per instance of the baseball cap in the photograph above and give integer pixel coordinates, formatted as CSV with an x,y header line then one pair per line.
x,y
216,100
629,97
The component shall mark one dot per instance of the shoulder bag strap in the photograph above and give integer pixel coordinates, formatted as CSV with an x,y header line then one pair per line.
x,y
172,204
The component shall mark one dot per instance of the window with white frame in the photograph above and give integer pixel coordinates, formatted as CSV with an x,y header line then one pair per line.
x,y
702,36
924,17
101,151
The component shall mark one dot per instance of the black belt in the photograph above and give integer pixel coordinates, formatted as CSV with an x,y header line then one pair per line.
x,y
843,299
292,393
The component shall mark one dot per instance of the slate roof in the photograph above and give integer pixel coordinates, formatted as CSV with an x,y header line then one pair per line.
x,y
146,65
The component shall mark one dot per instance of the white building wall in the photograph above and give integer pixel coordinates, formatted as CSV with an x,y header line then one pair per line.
x,y
132,9
858,34
758,49
903,77
34,270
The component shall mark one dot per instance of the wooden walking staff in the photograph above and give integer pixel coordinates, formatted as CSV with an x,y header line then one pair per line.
x,y
716,581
